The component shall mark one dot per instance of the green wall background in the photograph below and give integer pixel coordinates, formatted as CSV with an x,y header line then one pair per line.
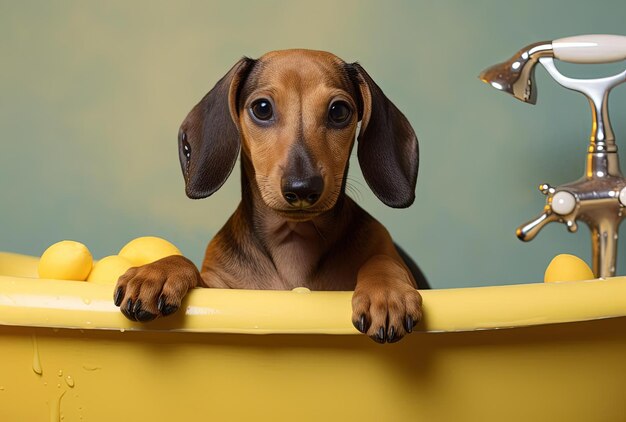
x,y
92,95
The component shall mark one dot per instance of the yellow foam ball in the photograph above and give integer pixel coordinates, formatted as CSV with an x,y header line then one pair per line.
x,y
144,250
109,269
566,267
66,260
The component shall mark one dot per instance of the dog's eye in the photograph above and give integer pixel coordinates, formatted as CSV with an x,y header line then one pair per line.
x,y
339,112
262,109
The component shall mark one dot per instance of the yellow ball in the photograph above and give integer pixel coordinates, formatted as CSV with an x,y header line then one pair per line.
x,y
109,269
66,260
567,268
144,250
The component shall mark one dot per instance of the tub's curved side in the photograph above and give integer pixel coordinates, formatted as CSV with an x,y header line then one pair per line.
x,y
559,372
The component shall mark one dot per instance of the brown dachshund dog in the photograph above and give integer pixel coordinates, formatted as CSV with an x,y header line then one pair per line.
x,y
294,116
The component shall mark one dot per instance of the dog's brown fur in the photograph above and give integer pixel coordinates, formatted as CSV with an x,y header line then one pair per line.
x,y
269,243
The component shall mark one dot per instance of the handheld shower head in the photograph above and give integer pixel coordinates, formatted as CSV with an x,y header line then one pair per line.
x,y
516,76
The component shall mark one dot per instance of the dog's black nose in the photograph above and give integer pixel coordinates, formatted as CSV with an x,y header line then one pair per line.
x,y
302,192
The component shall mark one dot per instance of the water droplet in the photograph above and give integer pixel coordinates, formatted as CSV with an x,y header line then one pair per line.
x,y
122,330
1,388
301,290
69,381
60,373
58,385
36,360
86,301
89,367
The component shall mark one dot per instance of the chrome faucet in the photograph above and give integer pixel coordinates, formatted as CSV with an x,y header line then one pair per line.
x,y
599,197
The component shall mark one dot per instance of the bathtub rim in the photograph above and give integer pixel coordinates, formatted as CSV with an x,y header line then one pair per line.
x,y
32,302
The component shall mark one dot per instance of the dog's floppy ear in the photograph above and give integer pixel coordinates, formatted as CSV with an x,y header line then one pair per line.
x,y
208,139
388,151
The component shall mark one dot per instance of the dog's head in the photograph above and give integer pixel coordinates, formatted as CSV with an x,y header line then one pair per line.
x,y
294,114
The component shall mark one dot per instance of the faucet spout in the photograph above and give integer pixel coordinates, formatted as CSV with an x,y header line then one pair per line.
x,y
527,232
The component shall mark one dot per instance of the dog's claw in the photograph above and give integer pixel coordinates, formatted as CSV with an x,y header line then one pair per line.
x,y
128,311
361,324
392,334
164,308
119,295
409,323
381,335
137,307
144,316
141,314
168,309
161,303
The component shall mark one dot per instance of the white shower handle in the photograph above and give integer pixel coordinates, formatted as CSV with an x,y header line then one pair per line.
x,y
590,48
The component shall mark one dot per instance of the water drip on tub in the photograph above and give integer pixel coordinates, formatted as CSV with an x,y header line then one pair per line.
x,y
69,381
36,360
55,409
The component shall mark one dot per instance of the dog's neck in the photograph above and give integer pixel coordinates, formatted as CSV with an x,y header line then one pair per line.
x,y
296,249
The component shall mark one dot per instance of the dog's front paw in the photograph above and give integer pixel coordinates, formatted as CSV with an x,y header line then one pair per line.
x,y
155,289
386,311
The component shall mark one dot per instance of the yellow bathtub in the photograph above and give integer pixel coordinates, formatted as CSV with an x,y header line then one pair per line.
x,y
536,352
